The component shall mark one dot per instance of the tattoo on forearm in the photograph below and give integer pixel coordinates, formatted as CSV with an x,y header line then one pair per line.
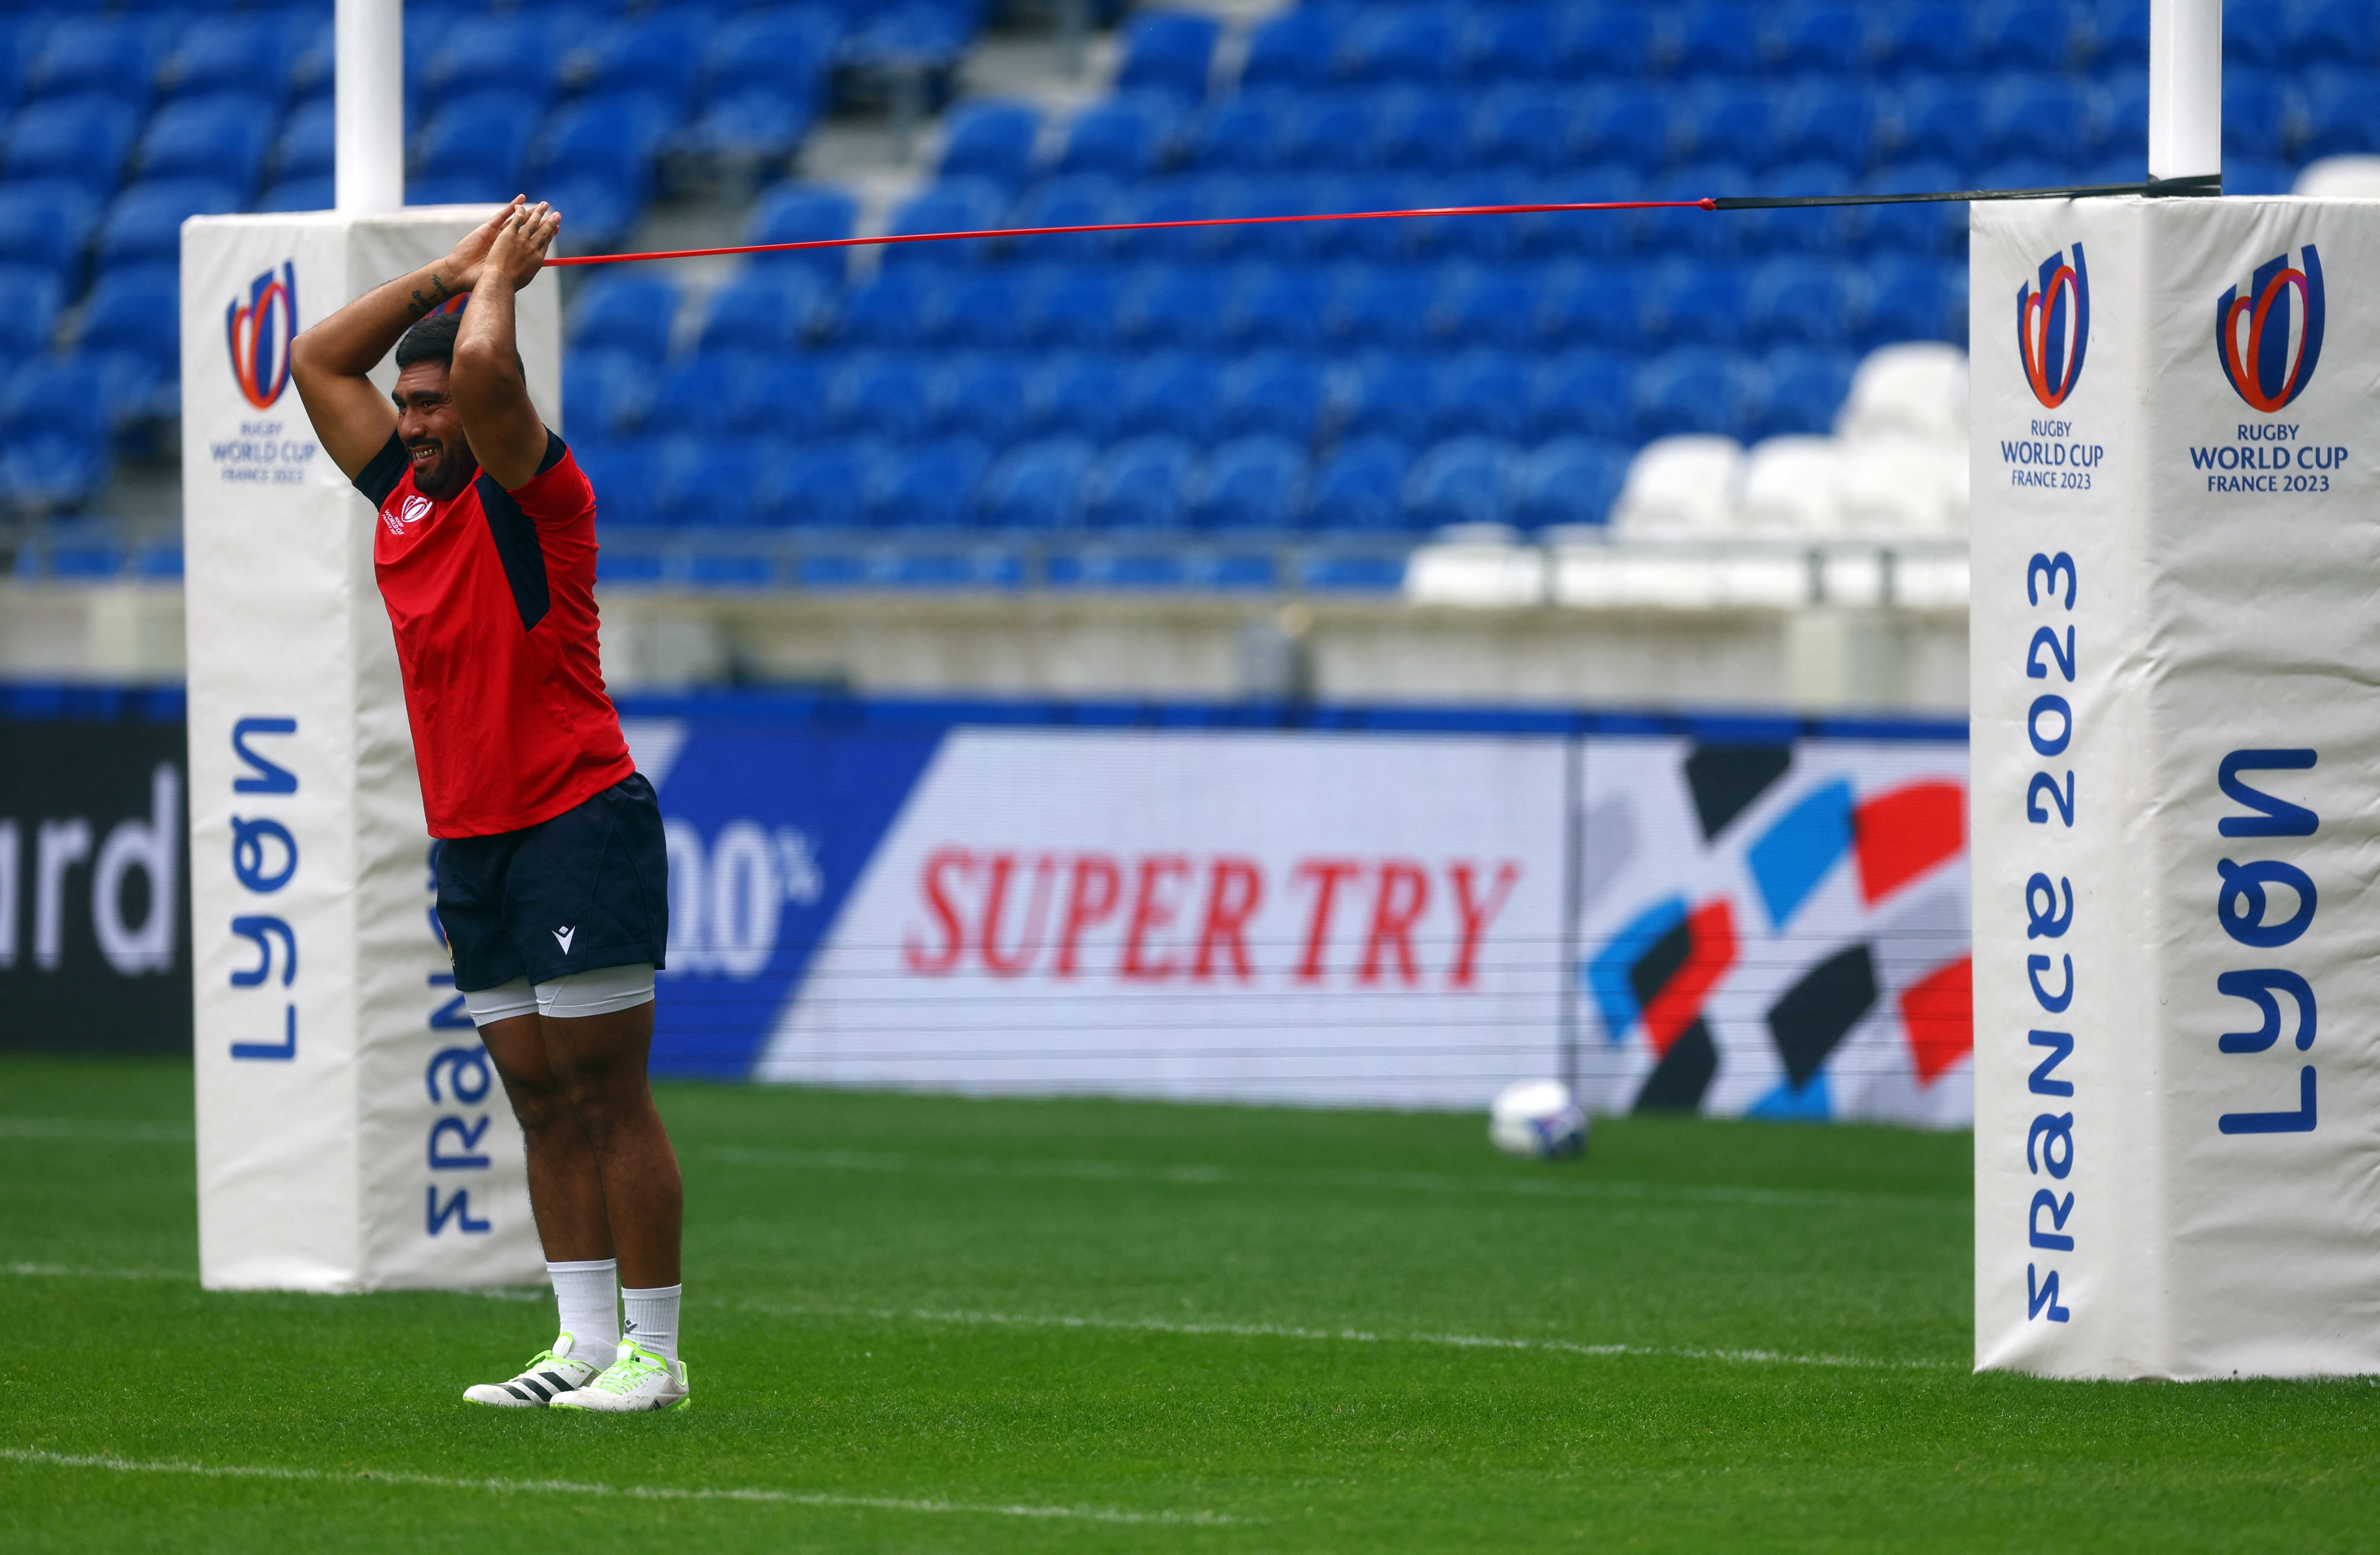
x,y
432,304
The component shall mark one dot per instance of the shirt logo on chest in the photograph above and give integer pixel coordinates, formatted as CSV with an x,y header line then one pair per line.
x,y
413,510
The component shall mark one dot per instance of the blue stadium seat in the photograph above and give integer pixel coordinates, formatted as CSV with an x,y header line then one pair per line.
x,y
2047,117
1911,298
1694,300
1179,391
1598,302
1251,483
774,310
1357,239
2256,174
145,225
657,52
1927,37
2021,173
609,140
1483,305
605,393
1121,136
1824,37
1716,37
975,307
222,137
1292,49
1422,43
1613,43
1524,125
755,127
299,194
786,399
1247,133
803,214
1361,486
1068,305
979,397
890,309
1819,229
2324,31
991,140
1806,387
249,56
1691,389
1940,120
1627,124
709,482
2342,114
784,52
1518,42
2255,114
1331,131
1803,302
1275,305
931,485
822,485
1922,228
1078,393
880,392
1827,120
1141,483
472,149
1381,305
1482,392
1461,481
1417,128
1384,394
82,139
624,472
1569,481
137,309
1599,233
1173,305
2257,36
1073,200
1170,52
54,425
47,224
1276,392
928,36
951,205
1036,485
306,148
513,52
2023,35
624,314
1730,121
700,396
26,327
111,57
1280,194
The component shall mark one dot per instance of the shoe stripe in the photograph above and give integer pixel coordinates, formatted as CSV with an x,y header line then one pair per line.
x,y
521,1395
559,1385
544,1393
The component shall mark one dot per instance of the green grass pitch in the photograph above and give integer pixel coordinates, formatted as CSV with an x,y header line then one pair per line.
x,y
923,1324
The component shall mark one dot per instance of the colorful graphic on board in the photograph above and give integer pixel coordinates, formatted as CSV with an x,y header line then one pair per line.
x,y
258,333
2053,325
2268,334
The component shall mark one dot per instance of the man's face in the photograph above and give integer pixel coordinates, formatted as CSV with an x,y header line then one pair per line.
x,y
431,431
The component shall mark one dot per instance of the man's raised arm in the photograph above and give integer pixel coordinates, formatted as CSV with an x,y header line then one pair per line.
x,y
331,360
506,433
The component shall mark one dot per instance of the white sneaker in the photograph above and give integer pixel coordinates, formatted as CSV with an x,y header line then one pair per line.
x,y
549,1375
638,1379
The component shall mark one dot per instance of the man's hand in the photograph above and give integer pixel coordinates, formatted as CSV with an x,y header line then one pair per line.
x,y
520,243
461,268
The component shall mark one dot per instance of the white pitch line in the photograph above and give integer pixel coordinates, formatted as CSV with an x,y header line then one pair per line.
x,y
635,1492
64,1272
1355,1336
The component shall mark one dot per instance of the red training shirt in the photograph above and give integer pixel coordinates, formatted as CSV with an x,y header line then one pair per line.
x,y
493,597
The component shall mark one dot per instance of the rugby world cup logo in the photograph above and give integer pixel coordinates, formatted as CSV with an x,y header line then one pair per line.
x,y
2053,326
2268,334
259,333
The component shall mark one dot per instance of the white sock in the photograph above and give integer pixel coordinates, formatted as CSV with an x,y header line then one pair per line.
x,y
652,1317
587,1295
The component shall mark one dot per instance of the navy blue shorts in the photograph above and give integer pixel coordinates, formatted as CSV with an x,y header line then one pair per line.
x,y
589,888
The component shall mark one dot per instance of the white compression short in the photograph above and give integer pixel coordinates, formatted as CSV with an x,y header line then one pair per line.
x,y
599,992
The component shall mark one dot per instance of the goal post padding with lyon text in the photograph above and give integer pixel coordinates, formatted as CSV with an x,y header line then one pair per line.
x,y
351,1134
2177,1172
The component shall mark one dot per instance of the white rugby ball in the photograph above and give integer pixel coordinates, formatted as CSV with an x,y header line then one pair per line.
x,y
1539,1119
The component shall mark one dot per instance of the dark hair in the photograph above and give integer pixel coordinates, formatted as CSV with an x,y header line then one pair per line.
x,y
431,340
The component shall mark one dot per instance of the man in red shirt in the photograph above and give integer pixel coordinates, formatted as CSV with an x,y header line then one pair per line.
x,y
552,879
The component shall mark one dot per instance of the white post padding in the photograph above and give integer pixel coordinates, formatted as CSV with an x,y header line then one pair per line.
x,y
2185,88
350,1136
368,112
2177,929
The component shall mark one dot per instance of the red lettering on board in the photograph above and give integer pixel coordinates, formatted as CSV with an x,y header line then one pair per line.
x,y
1474,915
1397,906
1036,914
1234,888
938,901
1326,874
1089,899
1149,914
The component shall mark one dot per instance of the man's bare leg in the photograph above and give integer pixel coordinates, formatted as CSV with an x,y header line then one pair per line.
x,y
565,1187
600,1063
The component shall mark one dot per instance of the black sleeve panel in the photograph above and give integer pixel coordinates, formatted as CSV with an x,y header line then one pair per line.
x,y
387,469
519,547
